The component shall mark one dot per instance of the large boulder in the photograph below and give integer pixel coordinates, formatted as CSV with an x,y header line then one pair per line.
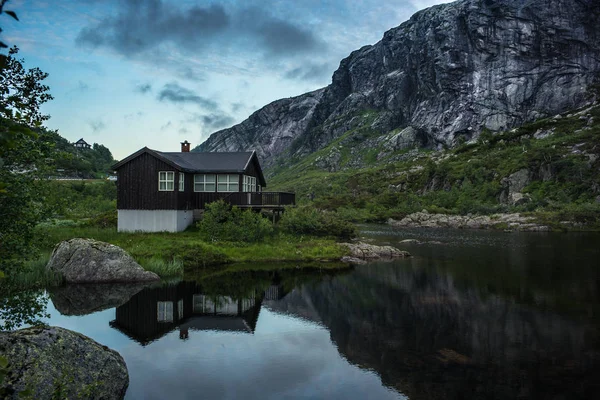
x,y
85,299
371,251
90,261
53,362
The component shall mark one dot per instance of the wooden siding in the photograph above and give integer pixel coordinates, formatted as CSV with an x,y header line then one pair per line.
x,y
137,185
137,188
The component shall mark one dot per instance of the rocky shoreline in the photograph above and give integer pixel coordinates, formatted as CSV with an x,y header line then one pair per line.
x,y
513,222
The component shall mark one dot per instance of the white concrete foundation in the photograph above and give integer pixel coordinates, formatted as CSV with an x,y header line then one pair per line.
x,y
154,220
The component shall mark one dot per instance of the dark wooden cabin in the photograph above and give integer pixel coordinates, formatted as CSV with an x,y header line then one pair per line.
x,y
160,191
82,144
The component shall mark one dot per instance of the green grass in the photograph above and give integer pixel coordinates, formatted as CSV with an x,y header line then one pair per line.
x,y
32,274
168,253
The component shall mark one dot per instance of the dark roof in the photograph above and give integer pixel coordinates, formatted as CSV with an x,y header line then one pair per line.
x,y
212,162
81,141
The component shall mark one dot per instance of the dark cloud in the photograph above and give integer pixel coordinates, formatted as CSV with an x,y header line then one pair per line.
x,y
177,94
213,122
210,122
310,72
144,25
166,126
235,107
97,125
183,131
143,88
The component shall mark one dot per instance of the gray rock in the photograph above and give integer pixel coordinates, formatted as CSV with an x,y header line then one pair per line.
x,y
518,180
54,363
370,251
410,241
91,261
352,260
495,221
83,299
448,72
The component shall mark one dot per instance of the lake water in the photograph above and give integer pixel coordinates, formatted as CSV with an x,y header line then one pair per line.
x,y
473,314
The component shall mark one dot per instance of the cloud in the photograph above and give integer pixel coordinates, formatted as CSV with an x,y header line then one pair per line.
x,y
143,88
136,115
210,122
97,125
166,126
213,122
237,106
177,94
310,72
144,25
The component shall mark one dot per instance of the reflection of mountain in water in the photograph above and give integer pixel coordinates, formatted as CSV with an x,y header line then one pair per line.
x,y
429,340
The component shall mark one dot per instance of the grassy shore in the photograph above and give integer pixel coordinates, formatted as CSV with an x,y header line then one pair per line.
x,y
168,254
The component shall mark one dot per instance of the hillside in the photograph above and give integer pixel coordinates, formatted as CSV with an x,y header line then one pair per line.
x,y
449,73
72,162
551,166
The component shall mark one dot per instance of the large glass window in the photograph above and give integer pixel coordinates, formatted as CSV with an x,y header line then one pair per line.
x,y
228,183
204,183
166,181
181,181
249,184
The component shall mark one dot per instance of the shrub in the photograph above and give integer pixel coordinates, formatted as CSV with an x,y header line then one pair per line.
x,y
311,221
221,222
105,220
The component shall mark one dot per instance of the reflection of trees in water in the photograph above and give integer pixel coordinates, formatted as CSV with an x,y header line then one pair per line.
x,y
428,339
22,308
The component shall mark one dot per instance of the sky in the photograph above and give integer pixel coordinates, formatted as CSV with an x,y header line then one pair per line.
x,y
135,73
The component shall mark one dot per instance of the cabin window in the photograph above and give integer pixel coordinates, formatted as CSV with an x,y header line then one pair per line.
x,y
204,183
228,183
164,311
166,181
181,181
249,184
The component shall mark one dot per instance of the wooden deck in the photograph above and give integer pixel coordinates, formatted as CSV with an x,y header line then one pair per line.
x,y
261,200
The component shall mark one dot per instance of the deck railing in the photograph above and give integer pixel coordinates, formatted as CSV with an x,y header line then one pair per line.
x,y
261,199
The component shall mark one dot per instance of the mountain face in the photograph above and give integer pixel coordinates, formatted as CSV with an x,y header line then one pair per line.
x,y
448,73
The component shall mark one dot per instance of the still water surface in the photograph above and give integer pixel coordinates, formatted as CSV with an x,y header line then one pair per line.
x,y
488,315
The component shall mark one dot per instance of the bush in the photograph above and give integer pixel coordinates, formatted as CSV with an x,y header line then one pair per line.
x,y
311,221
105,220
221,222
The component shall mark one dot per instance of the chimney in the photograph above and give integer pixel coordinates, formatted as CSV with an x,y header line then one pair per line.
x,y
185,147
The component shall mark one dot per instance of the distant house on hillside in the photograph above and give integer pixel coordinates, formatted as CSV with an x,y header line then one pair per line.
x,y
82,144
158,191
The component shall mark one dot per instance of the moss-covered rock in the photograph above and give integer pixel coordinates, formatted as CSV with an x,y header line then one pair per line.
x,y
56,363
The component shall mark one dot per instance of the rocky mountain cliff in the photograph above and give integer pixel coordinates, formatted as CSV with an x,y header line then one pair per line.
x,y
448,73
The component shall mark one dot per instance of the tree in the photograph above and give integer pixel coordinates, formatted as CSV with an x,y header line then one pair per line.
x,y
21,91
22,155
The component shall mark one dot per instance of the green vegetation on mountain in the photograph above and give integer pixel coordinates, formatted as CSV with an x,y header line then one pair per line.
x,y
549,168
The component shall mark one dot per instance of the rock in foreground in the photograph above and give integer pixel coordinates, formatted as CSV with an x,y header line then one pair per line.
x,y
91,261
369,251
54,362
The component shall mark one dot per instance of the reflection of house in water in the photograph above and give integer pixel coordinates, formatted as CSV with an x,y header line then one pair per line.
x,y
155,312
275,292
